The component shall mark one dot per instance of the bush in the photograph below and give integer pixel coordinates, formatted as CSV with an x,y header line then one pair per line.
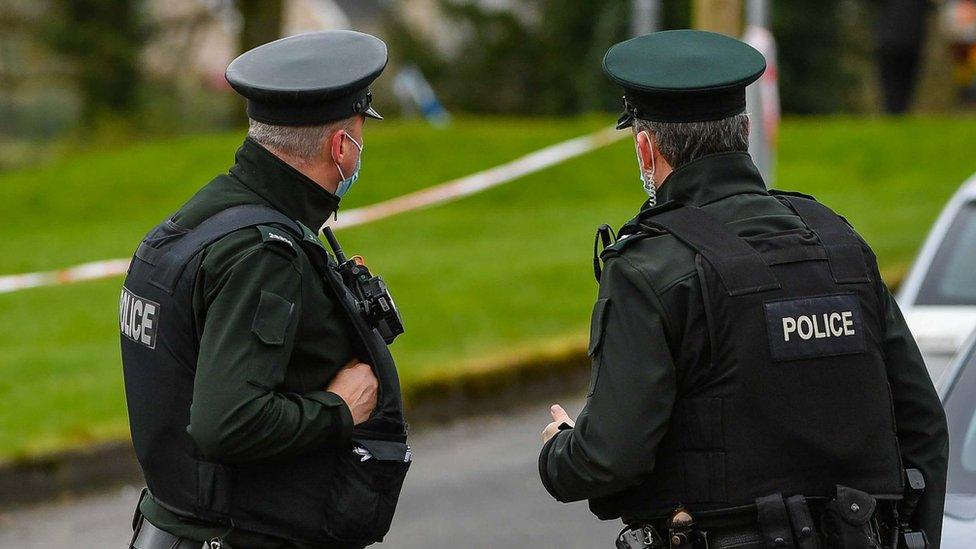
x,y
102,40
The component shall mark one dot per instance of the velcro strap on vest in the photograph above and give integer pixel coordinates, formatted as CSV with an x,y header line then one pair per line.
x,y
774,522
213,488
147,253
170,265
844,253
703,472
699,423
738,264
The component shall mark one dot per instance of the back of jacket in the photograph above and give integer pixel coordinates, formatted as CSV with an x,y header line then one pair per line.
x,y
696,397
793,397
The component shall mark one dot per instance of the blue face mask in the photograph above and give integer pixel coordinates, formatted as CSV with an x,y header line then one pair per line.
x,y
347,182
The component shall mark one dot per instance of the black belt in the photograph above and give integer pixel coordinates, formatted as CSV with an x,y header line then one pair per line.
x,y
148,536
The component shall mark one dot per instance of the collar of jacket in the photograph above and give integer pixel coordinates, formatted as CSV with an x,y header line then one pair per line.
x,y
288,190
711,178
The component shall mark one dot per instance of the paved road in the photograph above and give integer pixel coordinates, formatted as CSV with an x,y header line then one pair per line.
x,y
473,484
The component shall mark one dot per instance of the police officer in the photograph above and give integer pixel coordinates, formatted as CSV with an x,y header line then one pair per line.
x,y
753,381
264,406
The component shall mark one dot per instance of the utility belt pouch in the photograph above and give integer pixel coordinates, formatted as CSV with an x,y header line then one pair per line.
x,y
804,529
915,539
911,538
848,520
774,521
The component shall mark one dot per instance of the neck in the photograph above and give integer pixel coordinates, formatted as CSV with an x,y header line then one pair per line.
x,y
323,174
662,173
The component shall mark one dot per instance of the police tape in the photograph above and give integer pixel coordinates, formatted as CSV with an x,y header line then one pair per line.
x,y
86,271
425,198
480,181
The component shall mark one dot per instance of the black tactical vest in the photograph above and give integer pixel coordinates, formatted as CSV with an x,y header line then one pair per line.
x,y
796,397
330,496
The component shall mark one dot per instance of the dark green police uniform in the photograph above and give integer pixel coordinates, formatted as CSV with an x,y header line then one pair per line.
x,y
663,419
252,401
233,328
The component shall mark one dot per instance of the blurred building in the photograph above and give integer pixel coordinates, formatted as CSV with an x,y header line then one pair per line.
x,y
427,19
36,96
959,22
191,44
198,38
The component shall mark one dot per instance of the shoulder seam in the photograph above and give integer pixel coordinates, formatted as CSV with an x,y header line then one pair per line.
x,y
245,254
665,320
642,274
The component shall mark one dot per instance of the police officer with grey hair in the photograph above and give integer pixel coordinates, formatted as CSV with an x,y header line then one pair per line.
x,y
264,405
753,381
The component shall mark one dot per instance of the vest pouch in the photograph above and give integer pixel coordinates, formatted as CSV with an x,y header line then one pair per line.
x,y
848,520
363,493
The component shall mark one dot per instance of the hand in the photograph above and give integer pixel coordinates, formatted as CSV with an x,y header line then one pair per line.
x,y
559,416
357,386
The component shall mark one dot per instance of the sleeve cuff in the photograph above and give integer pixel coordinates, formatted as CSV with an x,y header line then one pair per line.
x,y
339,408
543,464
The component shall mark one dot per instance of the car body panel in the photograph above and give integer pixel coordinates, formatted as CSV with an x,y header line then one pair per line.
x,y
958,533
939,330
959,523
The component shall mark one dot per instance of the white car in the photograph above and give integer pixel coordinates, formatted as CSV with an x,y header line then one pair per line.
x,y
958,392
938,297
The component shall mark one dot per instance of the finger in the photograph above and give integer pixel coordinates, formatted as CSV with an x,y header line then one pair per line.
x,y
352,362
558,414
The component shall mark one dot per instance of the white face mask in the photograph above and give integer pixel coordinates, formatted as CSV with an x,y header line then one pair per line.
x,y
647,176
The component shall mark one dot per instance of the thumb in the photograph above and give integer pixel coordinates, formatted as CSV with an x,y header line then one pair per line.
x,y
558,414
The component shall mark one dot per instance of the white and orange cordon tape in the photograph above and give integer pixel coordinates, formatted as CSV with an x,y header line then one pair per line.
x,y
430,196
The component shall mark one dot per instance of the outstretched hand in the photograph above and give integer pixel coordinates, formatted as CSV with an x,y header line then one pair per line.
x,y
559,416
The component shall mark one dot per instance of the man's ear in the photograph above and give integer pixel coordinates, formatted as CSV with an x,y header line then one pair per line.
x,y
645,150
334,144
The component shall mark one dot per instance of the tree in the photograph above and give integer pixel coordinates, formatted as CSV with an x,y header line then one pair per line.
x,y
542,65
262,22
102,40
817,49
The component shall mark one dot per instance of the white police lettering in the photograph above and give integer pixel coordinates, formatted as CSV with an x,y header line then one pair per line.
x,y
138,318
809,327
819,326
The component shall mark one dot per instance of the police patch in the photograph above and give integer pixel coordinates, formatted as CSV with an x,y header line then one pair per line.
x,y
138,318
814,327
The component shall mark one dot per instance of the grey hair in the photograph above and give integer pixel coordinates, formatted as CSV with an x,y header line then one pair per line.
x,y
682,142
303,143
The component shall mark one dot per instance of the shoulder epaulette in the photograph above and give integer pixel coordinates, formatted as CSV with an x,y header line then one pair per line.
x,y
779,192
277,238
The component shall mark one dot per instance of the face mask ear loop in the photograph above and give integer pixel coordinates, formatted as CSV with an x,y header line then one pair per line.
x,y
354,142
336,162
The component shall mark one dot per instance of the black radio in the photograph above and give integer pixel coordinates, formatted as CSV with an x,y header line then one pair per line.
x,y
372,295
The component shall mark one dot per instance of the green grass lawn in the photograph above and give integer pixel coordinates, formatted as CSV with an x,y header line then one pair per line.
x,y
489,278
